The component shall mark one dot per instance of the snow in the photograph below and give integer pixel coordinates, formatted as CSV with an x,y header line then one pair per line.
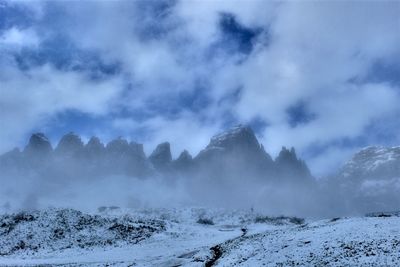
x,y
174,238
42,137
344,242
371,158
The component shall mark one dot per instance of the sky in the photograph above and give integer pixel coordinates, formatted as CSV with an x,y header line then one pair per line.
x,y
323,77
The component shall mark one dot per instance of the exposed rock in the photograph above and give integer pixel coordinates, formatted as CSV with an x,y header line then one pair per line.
x,y
94,146
372,162
118,147
70,145
126,158
235,153
239,137
38,144
289,165
161,157
59,229
137,150
184,157
184,161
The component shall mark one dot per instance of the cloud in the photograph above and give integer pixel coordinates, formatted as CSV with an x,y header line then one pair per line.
x,y
17,38
30,98
179,79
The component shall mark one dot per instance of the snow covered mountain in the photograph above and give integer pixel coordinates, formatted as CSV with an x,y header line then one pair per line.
x,y
374,162
369,181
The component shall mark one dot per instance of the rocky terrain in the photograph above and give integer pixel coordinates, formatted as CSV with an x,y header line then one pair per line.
x,y
60,229
195,237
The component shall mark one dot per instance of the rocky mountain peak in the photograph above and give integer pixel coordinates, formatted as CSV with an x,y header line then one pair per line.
x,y
161,156
184,161
38,143
94,145
289,164
286,155
70,143
184,156
119,145
137,149
238,136
374,161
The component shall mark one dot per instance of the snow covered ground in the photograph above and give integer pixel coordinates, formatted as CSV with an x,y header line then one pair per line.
x,y
194,237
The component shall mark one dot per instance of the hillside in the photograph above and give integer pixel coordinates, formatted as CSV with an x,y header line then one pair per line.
x,y
195,237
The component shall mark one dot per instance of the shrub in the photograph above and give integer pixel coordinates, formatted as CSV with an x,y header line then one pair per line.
x,y
205,221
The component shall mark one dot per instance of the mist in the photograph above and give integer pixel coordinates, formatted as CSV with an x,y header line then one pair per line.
x,y
232,172
299,74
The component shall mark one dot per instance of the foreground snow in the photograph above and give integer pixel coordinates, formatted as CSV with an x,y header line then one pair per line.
x,y
176,238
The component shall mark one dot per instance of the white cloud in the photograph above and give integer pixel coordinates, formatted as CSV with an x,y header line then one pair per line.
x,y
18,38
314,50
187,132
29,98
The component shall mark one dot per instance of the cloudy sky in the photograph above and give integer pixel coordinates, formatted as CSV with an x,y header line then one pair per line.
x,y
321,76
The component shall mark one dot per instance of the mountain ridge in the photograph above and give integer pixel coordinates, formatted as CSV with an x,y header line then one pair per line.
x,y
236,148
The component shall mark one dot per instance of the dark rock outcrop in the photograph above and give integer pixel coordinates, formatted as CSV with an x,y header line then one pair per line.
x,y
126,158
161,157
38,144
70,145
234,154
184,162
94,147
289,165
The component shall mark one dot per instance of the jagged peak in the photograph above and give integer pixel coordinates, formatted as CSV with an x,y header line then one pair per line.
x,y
70,142
137,148
118,144
287,157
237,135
163,148
184,156
161,155
94,145
287,154
94,141
38,142
39,136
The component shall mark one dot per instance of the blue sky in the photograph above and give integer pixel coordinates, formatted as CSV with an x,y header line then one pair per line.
x,y
321,76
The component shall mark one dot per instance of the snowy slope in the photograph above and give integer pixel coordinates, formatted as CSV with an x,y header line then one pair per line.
x,y
365,241
177,237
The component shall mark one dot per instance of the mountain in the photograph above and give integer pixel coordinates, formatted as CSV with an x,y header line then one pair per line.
x,y
124,158
289,165
234,154
239,139
238,153
70,145
374,162
184,162
37,152
370,180
161,157
94,147
38,144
